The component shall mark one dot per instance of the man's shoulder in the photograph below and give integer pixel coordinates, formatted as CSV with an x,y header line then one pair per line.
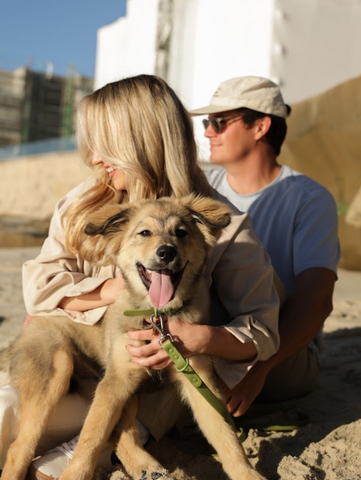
x,y
299,178
299,183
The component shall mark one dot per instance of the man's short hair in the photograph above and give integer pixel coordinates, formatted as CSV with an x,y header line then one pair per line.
x,y
277,131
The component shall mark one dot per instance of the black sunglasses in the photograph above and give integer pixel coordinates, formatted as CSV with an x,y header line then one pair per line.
x,y
218,123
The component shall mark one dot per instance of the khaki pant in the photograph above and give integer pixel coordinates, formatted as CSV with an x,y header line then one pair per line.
x,y
293,378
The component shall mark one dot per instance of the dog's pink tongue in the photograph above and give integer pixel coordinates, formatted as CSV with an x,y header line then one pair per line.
x,y
161,289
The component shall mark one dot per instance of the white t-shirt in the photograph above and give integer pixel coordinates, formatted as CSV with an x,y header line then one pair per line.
x,y
294,217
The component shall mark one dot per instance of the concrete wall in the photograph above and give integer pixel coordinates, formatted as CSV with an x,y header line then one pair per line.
x,y
127,46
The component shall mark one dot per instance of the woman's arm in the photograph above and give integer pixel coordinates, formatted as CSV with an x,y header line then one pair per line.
x,y
190,339
103,295
56,283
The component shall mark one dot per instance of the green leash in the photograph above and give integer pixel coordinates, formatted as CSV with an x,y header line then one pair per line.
x,y
182,365
152,311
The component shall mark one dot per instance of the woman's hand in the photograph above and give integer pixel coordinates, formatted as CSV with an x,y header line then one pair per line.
x,y
111,288
189,339
27,321
150,354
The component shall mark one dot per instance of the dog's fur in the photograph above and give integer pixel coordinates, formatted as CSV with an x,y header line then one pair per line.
x,y
174,237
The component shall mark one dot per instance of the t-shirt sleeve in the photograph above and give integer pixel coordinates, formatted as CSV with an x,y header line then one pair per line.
x,y
316,241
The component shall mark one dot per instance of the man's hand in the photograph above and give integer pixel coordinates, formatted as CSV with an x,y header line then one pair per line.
x,y
241,397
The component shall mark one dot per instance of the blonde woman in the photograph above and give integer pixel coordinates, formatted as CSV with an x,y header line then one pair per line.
x,y
138,138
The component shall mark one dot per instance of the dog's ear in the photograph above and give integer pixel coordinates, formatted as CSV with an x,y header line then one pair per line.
x,y
107,220
104,234
213,214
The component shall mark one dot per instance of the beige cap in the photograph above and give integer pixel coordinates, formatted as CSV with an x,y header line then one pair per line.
x,y
256,93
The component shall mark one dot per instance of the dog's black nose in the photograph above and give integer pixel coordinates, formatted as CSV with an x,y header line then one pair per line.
x,y
167,253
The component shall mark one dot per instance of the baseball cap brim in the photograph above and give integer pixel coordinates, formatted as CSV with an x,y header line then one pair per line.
x,y
212,109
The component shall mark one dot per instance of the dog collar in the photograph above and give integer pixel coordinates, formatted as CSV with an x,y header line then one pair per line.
x,y
138,312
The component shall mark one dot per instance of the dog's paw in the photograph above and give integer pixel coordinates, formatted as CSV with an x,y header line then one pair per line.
x,y
163,475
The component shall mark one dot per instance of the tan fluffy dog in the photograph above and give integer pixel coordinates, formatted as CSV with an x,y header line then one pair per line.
x,y
161,248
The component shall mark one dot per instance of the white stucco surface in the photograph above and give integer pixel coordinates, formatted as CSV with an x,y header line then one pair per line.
x,y
306,46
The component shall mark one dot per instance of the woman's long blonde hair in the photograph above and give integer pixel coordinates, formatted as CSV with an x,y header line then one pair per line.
x,y
139,125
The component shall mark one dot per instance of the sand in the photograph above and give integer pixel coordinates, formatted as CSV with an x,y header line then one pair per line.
x,y
327,448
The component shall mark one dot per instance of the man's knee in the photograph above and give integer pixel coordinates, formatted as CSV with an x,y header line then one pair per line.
x,y
293,378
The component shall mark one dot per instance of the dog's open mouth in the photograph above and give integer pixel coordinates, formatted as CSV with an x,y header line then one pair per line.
x,y
162,284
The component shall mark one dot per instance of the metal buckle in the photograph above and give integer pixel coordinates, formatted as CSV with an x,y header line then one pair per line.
x,y
160,329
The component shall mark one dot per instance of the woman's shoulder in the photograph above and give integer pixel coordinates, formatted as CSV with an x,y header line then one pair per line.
x,y
222,198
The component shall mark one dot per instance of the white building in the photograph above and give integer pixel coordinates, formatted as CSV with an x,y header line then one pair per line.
x,y
306,46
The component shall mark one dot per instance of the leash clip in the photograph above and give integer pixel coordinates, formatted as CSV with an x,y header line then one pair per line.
x,y
160,329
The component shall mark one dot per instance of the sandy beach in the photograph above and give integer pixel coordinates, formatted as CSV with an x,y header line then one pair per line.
x,y
327,448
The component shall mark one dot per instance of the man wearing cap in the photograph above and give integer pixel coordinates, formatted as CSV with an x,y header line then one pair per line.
x,y
295,218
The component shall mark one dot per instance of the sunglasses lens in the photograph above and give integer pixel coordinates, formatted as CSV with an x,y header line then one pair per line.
x,y
205,123
214,122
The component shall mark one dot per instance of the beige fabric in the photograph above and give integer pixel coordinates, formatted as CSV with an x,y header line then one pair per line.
x,y
239,272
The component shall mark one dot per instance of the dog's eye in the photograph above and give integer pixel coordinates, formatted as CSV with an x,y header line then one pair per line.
x,y
145,233
180,233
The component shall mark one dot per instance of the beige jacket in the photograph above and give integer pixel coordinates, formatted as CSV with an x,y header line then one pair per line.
x,y
239,274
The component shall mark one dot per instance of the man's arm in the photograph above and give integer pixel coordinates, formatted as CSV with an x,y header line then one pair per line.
x,y
301,319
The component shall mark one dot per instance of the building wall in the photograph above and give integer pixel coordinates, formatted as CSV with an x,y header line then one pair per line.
x,y
317,45
210,42
306,46
12,94
213,41
37,106
127,46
